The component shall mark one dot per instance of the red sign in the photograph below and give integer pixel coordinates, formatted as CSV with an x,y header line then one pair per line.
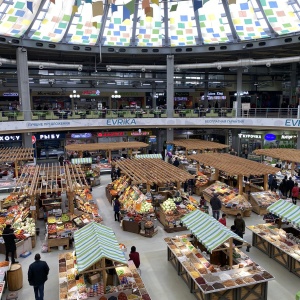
x,y
33,139
136,133
109,134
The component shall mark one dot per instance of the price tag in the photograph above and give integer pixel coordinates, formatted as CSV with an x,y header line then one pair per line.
x,y
33,207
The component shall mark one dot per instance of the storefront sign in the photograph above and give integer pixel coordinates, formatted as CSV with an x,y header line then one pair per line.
x,y
138,133
152,139
215,93
121,122
288,137
81,135
10,94
49,136
270,137
249,136
9,138
91,93
33,139
110,134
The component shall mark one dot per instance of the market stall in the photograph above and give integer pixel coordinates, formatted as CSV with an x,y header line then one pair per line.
x,y
260,201
232,165
158,173
191,146
99,269
281,244
17,156
227,273
108,147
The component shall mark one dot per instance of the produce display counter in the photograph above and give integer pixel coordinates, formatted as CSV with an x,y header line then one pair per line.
x,y
246,280
261,200
232,202
281,246
22,246
252,188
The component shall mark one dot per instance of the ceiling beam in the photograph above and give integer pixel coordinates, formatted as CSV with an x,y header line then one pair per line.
x,y
100,39
134,23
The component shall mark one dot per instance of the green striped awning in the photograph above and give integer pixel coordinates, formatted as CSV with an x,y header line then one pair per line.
x,y
94,242
81,160
208,231
148,156
287,211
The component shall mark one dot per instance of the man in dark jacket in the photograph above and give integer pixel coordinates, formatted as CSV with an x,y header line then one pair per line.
x,y
37,276
290,184
240,226
10,244
216,205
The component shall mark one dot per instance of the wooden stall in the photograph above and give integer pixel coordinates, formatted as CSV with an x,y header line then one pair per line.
x,y
153,172
291,155
109,147
233,165
206,280
18,156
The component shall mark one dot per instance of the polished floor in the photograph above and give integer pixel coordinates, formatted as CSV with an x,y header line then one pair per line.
x,y
158,275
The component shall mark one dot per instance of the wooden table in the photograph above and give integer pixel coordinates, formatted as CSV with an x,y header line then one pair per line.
x,y
58,242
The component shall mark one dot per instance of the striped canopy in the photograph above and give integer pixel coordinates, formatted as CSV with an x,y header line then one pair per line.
x,y
287,211
208,231
148,156
94,242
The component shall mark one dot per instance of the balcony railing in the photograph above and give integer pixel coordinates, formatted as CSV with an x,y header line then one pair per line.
x,y
13,115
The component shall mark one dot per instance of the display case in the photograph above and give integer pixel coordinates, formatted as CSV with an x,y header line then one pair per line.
x,y
261,200
279,244
208,281
232,202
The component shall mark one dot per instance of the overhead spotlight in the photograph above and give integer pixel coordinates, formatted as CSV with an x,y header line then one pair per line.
x,y
177,69
268,64
143,69
80,68
108,69
219,67
41,67
23,49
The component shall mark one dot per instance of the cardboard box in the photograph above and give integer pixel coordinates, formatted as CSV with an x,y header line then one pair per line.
x,y
93,279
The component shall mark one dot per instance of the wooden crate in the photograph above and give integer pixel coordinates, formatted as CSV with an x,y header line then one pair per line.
x,y
58,242
253,292
295,266
261,244
281,257
227,294
256,208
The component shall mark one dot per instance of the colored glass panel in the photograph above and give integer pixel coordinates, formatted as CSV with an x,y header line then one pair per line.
x,y
282,15
15,17
247,24
54,16
84,28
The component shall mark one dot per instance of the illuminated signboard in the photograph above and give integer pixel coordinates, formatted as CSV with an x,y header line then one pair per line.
x,y
110,134
81,135
270,137
137,133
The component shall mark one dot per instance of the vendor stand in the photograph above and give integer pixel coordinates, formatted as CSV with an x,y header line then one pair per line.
x,y
108,147
193,146
282,245
227,273
86,274
17,156
233,165
156,172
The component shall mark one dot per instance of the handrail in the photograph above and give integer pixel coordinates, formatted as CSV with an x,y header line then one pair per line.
x,y
13,115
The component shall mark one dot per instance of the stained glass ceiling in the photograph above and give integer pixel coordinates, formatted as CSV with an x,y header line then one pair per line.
x,y
152,23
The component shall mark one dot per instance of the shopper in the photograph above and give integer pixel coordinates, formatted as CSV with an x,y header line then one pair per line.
x,y
289,186
10,244
236,242
135,257
37,276
274,185
223,219
176,162
117,205
283,186
216,205
202,201
295,193
239,224
61,160
270,180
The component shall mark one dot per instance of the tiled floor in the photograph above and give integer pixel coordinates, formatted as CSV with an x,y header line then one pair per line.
x,y
159,276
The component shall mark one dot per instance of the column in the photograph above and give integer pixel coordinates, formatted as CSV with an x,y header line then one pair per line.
x,y
154,99
239,82
293,94
206,78
170,85
27,140
298,141
23,83
170,134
